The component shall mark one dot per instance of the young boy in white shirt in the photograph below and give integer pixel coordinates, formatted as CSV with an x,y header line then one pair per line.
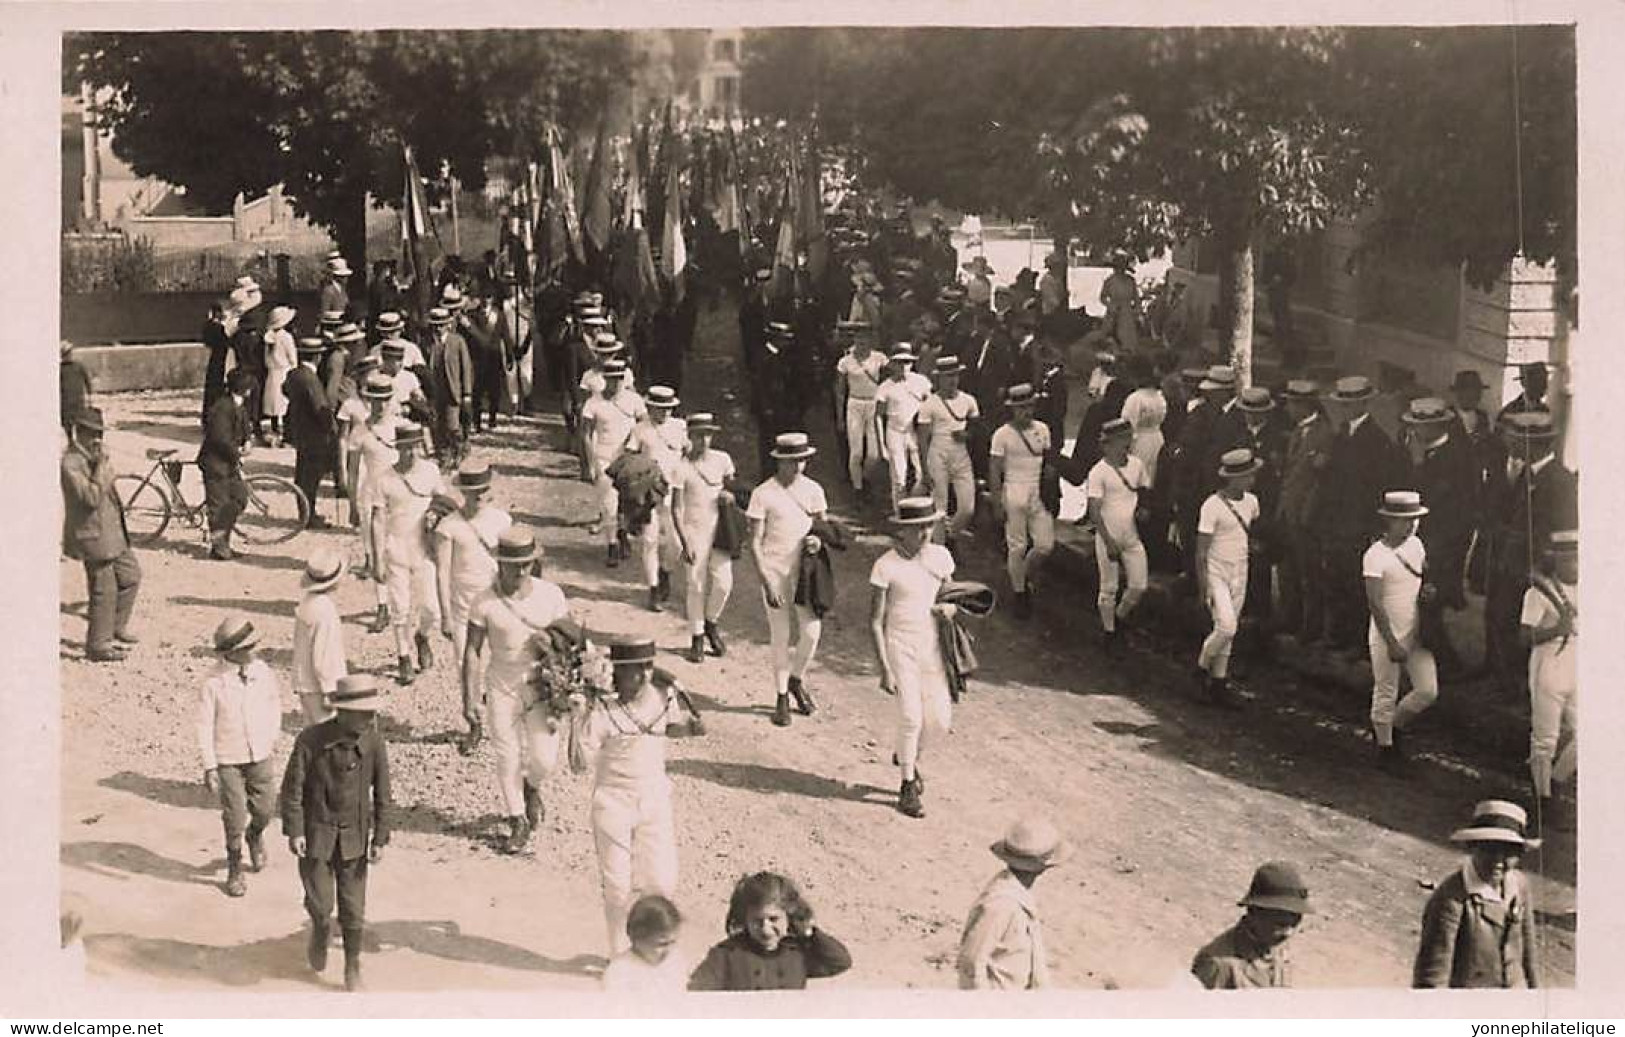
x,y
1113,489
1393,568
1223,544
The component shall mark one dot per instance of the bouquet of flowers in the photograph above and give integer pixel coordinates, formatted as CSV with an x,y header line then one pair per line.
x,y
570,670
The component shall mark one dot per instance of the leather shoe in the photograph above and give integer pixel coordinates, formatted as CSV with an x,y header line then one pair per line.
x,y
126,638
316,949
256,852
713,637
804,700
110,654
781,711
908,799
425,652
696,649
404,672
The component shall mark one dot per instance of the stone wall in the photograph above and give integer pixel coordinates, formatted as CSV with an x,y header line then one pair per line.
x,y
169,365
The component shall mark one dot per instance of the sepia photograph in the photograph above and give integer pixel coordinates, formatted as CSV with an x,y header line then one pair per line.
x,y
649,511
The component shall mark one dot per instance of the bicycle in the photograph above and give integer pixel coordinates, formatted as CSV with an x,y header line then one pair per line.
x,y
276,512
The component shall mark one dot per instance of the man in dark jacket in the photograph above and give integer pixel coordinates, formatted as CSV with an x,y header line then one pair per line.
x,y
753,318
1213,427
450,387
335,813
94,532
335,293
1448,476
1303,569
488,348
1363,464
225,440
217,339
1108,405
310,427
1265,440
75,384
248,348
1478,929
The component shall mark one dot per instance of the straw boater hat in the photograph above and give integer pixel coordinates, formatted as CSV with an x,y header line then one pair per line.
x,y
1219,376
392,347
589,311
364,364
1301,389
597,298
357,693
1115,428
64,348
606,344
663,396
631,651
234,634
1105,357
1428,410
949,365
1402,504
1564,541
582,299
391,323
281,317
1277,886
1497,821
903,353
1020,395
451,298
322,570
703,421
337,266
439,317
408,434
792,446
474,477
1032,844
1255,400
311,346
1353,389
614,368
1193,376
779,329
377,387
347,333
1529,426
1233,464
517,546
1468,379
330,318
916,511
764,274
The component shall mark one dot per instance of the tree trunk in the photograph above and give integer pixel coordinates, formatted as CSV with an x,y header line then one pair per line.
x,y
1239,307
350,234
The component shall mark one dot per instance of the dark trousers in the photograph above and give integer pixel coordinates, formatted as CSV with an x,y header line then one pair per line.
x,y
1346,611
323,878
111,587
248,793
225,497
1504,587
490,395
254,402
447,431
312,464
1303,583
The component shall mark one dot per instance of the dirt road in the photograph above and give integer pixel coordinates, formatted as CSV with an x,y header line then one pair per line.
x,y
1171,803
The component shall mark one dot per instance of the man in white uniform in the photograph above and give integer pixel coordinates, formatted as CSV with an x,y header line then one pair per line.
x,y
407,491
858,376
391,326
661,438
1223,546
1015,462
318,635
405,387
704,477
944,421
1113,489
1393,568
897,403
782,510
607,423
905,582
506,615
465,559
1550,622
372,454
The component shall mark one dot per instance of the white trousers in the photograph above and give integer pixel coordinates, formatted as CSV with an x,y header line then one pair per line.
x,y
609,507
414,600
657,544
370,551
1131,561
1226,594
1554,707
707,582
1388,710
950,466
903,456
923,700
781,623
637,851
525,745
1029,531
862,438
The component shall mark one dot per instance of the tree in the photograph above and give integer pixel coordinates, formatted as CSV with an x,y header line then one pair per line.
x,y
326,113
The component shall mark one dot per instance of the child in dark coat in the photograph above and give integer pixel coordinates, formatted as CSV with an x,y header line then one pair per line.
x,y
772,943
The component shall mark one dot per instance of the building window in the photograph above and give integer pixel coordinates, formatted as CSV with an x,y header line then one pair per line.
x,y
727,92
724,51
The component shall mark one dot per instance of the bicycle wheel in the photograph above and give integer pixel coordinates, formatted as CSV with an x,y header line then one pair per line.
x,y
146,507
276,511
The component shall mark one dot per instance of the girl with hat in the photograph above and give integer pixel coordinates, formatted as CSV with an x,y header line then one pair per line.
x,y
1550,622
1015,464
465,551
281,357
238,725
945,422
1223,546
703,486
1248,955
608,423
624,735
662,438
1003,944
1393,569
1113,488
318,635
513,609
897,405
370,450
406,492
905,582
782,511
1478,929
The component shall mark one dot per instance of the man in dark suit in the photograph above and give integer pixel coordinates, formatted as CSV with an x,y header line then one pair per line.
x,y
1303,569
753,318
487,347
74,381
450,385
986,360
1108,405
225,440
1532,496
1264,438
248,347
217,339
310,428
1448,476
1363,464
94,532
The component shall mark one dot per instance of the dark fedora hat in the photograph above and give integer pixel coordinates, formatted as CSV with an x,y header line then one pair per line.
x,y
90,419
1468,379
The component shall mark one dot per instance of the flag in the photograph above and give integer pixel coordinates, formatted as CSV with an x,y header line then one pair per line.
x,y
673,250
563,195
634,269
784,252
810,211
730,217
595,205
414,222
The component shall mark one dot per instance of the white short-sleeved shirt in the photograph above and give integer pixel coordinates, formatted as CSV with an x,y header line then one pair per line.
x,y
509,623
474,542
1117,491
786,515
1400,587
663,443
413,355
613,420
863,377
1023,451
903,400
353,412
701,480
948,416
406,386
1555,660
1229,532
911,586
406,501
